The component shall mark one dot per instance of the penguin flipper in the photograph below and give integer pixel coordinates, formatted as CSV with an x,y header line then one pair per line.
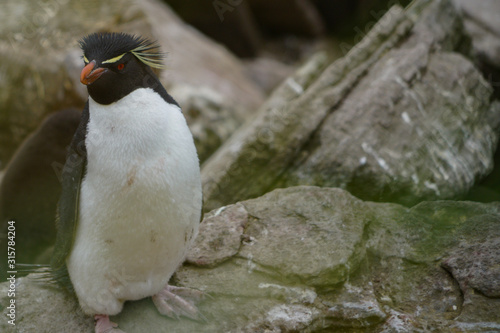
x,y
67,211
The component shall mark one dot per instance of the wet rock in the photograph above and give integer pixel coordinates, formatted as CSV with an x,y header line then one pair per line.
x,y
402,118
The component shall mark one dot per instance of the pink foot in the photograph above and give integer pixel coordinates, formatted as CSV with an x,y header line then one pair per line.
x,y
104,325
177,301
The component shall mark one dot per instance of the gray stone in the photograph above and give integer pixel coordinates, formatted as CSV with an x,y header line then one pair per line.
x,y
475,266
212,118
340,243
220,236
482,22
313,259
241,158
35,304
359,314
268,73
402,117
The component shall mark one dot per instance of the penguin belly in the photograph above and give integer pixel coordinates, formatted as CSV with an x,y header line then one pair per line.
x,y
139,204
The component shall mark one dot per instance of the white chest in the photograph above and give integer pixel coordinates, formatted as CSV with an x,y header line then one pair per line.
x,y
140,159
140,149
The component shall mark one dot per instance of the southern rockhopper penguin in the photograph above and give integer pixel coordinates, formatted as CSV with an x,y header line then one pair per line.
x,y
131,194
31,188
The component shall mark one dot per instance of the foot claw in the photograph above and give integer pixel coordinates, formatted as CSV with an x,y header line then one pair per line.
x,y
176,301
104,325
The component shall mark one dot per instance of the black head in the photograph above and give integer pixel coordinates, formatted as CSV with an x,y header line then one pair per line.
x,y
117,63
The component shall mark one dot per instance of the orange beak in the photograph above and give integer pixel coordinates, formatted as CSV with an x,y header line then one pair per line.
x,y
89,74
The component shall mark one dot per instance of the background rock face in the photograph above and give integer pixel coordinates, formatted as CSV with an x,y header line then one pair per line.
x,y
41,62
400,118
246,27
312,259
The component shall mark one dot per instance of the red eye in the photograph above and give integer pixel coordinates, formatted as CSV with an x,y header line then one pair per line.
x,y
120,66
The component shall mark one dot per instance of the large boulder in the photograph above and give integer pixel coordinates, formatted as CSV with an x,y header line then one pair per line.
x,y
403,117
40,62
313,259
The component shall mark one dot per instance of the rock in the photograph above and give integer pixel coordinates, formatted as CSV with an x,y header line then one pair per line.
x,y
197,61
40,60
313,259
360,314
482,23
268,73
353,18
243,26
29,315
216,175
300,17
220,236
474,265
230,23
212,118
402,118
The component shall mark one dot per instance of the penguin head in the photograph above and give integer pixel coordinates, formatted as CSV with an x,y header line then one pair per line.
x,y
117,63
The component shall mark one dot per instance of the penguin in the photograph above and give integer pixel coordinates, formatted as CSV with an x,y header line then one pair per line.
x,y
30,188
131,197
